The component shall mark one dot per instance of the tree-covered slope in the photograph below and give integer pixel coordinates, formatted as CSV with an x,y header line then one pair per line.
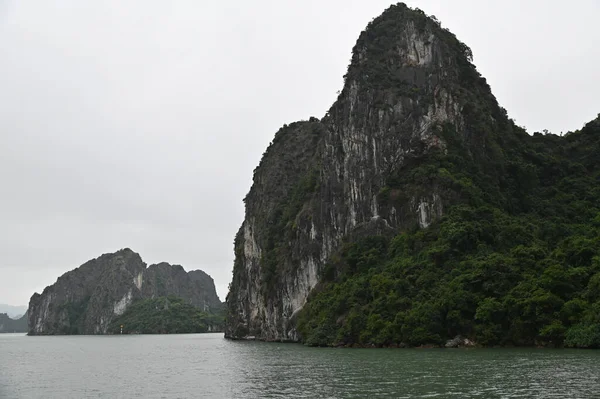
x,y
165,315
518,266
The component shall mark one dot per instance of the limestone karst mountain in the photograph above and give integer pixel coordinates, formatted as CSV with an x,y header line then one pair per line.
x,y
86,299
415,211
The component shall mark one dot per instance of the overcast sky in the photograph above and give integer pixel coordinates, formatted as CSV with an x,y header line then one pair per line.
x,y
138,123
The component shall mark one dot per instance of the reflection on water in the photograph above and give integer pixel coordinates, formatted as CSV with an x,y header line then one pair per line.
x,y
207,366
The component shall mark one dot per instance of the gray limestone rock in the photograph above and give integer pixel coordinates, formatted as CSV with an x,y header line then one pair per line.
x,y
322,181
85,300
459,342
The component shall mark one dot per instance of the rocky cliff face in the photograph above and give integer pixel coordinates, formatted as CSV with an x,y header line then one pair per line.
x,y
322,181
85,300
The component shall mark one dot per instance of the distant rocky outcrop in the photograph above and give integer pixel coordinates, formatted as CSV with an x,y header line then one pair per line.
x,y
196,286
9,325
86,299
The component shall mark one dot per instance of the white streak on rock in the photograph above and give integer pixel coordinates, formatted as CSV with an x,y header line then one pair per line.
x,y
138,280
122,305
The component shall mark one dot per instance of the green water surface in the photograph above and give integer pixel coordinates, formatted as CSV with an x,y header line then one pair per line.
x,y
208,366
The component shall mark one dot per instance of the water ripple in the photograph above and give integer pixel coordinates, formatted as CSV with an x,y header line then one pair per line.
x,y
207,366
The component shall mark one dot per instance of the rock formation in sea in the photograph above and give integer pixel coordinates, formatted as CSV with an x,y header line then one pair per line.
x,y
321,180
86,299
417,156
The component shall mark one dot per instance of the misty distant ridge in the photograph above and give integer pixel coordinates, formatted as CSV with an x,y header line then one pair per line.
x,y
14,312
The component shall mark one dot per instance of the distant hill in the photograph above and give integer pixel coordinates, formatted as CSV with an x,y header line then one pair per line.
x,y
87,299
13,311
9,325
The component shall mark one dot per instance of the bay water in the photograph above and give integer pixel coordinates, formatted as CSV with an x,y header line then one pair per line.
x,y
208,366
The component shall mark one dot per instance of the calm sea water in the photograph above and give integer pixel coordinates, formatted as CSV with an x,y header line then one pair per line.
x,y
208,366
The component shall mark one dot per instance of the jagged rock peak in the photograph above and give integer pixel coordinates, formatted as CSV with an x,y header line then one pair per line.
x,y
403,37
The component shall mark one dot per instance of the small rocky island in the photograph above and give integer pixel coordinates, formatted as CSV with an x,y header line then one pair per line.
x,y
118,289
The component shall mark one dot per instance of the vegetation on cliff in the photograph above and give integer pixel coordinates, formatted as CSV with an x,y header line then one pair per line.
x,y
166,315
426,210
516,262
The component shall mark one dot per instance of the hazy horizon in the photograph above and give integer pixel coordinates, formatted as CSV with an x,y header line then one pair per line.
x,y
14,312
139,125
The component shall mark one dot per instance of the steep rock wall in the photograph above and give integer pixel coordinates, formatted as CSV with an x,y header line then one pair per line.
x,y
322,181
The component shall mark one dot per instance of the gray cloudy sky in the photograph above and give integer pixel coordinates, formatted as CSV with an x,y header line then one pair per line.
x,y
138,123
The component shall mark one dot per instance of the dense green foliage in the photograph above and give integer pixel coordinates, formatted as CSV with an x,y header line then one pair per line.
x,y
514,261
165,315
